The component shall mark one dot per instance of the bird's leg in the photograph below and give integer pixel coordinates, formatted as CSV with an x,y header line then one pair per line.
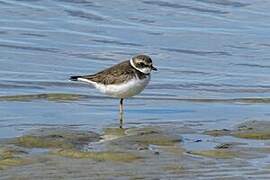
x,y
121,113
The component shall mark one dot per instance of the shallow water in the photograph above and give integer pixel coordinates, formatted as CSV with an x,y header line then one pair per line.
x,y
213,59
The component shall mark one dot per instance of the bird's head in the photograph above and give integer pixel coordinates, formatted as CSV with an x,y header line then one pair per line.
x,y
142,63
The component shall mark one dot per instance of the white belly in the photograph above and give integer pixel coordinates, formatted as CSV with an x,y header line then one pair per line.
x,y
131,88
128,89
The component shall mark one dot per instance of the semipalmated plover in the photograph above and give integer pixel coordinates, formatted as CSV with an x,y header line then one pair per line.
x,y
122,80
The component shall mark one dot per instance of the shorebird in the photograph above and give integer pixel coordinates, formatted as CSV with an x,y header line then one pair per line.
x,y
122,80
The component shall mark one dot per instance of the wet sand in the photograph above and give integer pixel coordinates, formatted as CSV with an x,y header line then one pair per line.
x,y
139,152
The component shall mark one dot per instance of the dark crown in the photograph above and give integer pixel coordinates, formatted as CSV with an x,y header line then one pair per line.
x,y
144,58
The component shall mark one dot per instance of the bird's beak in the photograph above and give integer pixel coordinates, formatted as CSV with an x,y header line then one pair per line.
x,y
154,69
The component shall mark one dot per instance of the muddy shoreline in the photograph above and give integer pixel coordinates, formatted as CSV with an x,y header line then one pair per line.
x,y
139,152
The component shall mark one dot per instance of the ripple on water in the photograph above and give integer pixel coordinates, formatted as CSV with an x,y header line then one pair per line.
x,y
181,6
225,3
197,52
85,15
30,48
212,60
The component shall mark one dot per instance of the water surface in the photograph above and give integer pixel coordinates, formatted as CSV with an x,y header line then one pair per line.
x,y
213,59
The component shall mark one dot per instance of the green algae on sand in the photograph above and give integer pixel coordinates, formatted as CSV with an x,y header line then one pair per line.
x,y
152,135
113,133
11,156
144,139
259,130
253,130
49,97
10,162
253,135
41,142
217,132
55,138
217,153
99,156
174,168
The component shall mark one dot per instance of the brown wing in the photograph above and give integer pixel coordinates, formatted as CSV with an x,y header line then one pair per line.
x,y
116,74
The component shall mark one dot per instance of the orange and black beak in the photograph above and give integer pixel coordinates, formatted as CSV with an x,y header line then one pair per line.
x,y
153,68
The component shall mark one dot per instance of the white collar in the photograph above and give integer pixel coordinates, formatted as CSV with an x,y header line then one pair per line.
x,y
132,64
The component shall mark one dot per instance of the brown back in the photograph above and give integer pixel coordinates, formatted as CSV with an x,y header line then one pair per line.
x,y
116,74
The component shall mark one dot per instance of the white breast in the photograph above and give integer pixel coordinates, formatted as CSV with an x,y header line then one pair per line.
x,y
127,89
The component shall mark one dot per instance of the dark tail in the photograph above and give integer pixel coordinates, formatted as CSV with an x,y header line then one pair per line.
x,y
74,78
